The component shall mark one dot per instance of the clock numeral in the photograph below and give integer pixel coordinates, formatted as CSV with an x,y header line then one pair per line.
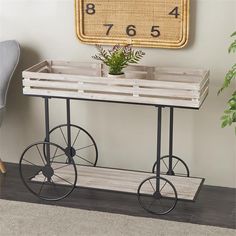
x,y
175,12
90,9
130,30
109,28
155,32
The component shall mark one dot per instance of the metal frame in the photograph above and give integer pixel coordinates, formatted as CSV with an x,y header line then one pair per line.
x,y
46,107
170,171
68,127
158,160
157,193
170,156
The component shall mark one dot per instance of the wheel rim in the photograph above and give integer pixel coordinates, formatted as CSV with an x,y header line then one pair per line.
x,y
179,167
83,147
158,203
50,181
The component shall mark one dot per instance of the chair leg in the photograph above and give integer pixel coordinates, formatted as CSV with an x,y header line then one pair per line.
x,y
3,169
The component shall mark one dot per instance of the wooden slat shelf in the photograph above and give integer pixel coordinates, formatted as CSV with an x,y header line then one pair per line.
x,y
161,86
123,180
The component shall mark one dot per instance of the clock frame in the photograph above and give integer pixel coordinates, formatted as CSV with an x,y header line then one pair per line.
x,y
150,23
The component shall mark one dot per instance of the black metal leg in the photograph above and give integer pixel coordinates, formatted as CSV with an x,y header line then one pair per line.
x,y
47,130
159,121
68,130
170,170
157,201
171,164
68,122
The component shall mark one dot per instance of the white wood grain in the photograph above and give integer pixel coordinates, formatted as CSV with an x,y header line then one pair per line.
x,y
123,180
82,86
165,86
37,66
116,98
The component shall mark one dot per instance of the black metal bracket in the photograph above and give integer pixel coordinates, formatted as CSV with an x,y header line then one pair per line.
x,y
46,107
171,131
158,157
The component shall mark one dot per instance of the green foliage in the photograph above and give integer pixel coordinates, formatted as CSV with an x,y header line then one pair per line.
x,y
118,57
229,116
231,75
232,47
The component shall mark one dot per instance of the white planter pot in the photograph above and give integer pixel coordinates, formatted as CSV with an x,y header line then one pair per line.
x,y
116,76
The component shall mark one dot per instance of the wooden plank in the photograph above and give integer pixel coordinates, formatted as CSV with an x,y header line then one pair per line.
x,y
123,180
44,69
112,89
204,95
143,83
76,64
205,78
76,70
36,67
181,71
115,98
205,85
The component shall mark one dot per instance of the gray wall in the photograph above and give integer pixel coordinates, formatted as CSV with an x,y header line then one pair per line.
x,y
125,134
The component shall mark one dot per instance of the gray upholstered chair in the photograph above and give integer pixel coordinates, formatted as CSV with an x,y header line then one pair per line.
x,y
9,57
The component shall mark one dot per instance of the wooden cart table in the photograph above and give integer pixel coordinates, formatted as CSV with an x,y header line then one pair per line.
x,y
69,149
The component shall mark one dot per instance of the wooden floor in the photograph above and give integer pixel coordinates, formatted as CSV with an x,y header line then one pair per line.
x,y
214,206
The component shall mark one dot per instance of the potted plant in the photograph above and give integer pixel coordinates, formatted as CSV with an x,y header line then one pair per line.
x,y
229,116
118,58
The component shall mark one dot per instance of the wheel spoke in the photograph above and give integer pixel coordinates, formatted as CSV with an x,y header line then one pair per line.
x,y
41,187
40,154
85,147
152,186
31,163
84,159
63,179
63,135
54,155
58,156
165,164
163,186
37,173
175,164
61,167
76,138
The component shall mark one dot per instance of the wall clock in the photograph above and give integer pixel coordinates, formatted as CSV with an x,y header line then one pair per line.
x,y
149,23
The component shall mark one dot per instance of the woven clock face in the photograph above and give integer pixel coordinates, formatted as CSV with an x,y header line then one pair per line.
x,y
149,23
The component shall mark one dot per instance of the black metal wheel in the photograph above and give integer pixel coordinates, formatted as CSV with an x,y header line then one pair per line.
x,y
179,167
83,148
45,177
157,202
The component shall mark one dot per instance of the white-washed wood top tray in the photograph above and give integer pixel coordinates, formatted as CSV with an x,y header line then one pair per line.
x,y
123,180
160,86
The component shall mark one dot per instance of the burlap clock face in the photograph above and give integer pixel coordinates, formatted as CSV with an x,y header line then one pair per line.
x,y
149,23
